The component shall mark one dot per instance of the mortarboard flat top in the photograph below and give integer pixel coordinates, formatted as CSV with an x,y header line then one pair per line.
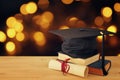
x,y
79,33
80,42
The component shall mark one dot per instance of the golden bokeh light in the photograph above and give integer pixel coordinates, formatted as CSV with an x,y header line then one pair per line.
x,y
99,38
43,4
37,19
117,7
19,17
119,54
20,36
18,27
23,9
31,7
107,19
72,20
80,23
106,12
39,38
11,32
10,46
113,41
48,16
11,22
64,27
2,36
44,24
45,20
67,1
112,28
99,21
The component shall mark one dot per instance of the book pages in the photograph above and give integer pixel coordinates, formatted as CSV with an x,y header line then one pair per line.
x,y
80,61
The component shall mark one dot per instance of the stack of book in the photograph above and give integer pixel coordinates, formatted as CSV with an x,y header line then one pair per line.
x,y
78,66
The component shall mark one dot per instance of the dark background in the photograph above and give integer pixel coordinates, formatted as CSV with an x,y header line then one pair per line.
x,y
85,11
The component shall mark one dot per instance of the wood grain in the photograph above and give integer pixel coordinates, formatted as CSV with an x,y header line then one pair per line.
x,y
36,68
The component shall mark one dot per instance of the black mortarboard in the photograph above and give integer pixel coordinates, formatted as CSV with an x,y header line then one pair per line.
x,y
80,42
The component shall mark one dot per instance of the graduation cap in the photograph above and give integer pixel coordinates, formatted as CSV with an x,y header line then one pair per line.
x,y
81,42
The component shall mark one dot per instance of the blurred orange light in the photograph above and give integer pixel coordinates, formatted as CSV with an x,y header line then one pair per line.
x,y
2,36
11,22
113,41
67,1
10,46
37,19
106,12
117,7
20,36
39,38
43,4
23,9
112,28
18,27
19,17
119,54
107,19
11,33
73,19
99,38
46,19
64,27
31,7
48,16
99,21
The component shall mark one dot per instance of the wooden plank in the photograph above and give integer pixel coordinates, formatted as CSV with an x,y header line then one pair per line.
x,y
36,68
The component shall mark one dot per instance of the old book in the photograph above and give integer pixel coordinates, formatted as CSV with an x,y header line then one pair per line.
x,y
79,70
96,67
80,61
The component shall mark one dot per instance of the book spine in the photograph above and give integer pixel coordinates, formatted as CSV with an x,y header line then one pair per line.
x,y
79,70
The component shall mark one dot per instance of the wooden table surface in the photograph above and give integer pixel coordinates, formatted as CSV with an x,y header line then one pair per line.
x,y
36,68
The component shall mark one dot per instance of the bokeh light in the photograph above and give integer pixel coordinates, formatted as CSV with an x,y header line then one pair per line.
x,y
19,17
31,7
99,39
10,46
39,38
106,12
11,22
99,21
23,9
46,19
107,19
64,27
20,36
119,54
112,28
43,4
48,16
72,20
2,36
67,1
117,7
113,41
11,32
18,27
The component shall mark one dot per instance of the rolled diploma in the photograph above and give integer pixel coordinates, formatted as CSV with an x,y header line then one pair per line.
x,y
79,70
